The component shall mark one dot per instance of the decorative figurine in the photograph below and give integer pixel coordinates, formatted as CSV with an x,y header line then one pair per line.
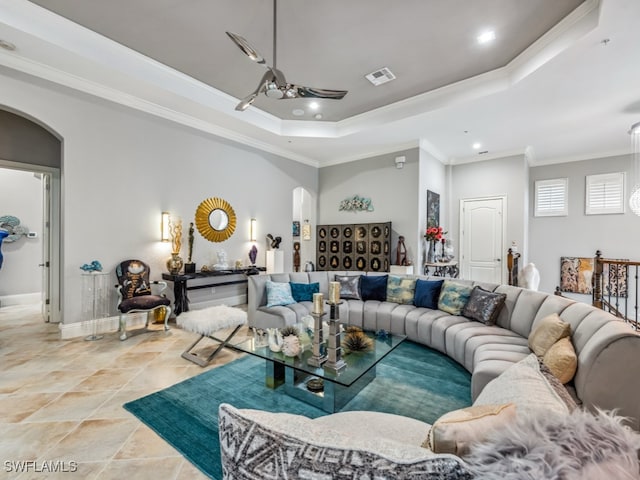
x,y
190,267
401,253
3,234
94,266
274,242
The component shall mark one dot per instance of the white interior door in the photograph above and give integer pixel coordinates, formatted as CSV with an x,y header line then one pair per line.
x,y
482,234
46,247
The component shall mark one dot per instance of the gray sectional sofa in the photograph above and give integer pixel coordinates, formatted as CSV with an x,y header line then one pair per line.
x,y
608,350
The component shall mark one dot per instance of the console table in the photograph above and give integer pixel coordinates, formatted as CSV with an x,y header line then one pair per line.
x,y
442,269
180,283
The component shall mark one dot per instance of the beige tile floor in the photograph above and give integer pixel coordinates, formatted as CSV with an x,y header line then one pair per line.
x,y
61,400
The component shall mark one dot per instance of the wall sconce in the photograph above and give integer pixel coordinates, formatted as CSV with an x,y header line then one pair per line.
x,y
164,227
252,230
400,162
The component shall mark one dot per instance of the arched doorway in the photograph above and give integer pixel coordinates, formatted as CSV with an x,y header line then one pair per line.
x,y
27,146
304,217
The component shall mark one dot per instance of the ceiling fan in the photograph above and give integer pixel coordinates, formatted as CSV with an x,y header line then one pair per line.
x,y
273,83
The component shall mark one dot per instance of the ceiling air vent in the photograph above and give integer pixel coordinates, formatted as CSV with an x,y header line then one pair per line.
x,y
381,76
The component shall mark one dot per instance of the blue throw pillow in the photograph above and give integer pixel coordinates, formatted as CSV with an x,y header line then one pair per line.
x,y
373,287
427,293
278,294
303,292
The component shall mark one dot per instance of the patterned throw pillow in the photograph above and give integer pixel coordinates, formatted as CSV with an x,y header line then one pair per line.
x,y
349,286
373,287
401,289
453,297
561,359
278,294
303,292
427,293
483,305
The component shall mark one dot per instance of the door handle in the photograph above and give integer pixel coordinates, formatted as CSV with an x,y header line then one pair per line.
x,y
498,259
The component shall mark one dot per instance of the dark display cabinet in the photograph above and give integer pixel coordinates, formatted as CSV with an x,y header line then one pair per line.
x,y
362,246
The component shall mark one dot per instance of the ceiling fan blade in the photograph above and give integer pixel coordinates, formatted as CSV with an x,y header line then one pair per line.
x,y
246,48
249,99
308,92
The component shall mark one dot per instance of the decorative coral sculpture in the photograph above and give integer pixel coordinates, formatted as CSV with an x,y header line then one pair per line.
x,y
355,340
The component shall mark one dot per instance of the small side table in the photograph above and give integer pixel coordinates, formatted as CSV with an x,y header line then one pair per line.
x,y
95,299
442,269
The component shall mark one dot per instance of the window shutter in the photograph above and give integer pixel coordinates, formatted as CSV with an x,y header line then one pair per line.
x,y
605,194
551,198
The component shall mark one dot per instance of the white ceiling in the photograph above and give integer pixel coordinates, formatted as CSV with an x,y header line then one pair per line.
x,y
548,86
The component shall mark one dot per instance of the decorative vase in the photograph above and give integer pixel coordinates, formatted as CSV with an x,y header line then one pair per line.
x,y
291,346
174,264
274,339
431,251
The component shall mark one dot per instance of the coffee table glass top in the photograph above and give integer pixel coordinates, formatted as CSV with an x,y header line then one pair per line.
x,y
358,363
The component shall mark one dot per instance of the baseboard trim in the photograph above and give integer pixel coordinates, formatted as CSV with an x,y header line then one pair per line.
x,y
21,299
111,324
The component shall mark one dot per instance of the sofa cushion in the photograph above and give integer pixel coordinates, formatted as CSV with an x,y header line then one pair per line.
x,y
295,447
373,287
303,292
524,384
456,431
279,293
401,289
483,306
453,297
562,360
427,293
349,286
547,332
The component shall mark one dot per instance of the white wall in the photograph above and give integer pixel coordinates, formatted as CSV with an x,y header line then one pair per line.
x,y
580,235
504,176
393,193
121,168
21,196
433,176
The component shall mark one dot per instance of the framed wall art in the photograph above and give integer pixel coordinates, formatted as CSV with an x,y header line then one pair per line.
x,y
433,209
576,274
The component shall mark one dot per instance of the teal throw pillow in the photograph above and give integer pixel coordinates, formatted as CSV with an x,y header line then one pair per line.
x,y
453,297
278,294
401,289
303,292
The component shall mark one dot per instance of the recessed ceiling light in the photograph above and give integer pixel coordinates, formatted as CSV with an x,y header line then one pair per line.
x,y
318,116
7,45
298,112
476,146
486,37
313,105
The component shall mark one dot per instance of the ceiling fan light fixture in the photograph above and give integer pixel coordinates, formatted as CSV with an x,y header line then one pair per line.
x,y
272,91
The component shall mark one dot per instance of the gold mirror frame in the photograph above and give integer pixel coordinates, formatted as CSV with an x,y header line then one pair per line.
x,y
202,219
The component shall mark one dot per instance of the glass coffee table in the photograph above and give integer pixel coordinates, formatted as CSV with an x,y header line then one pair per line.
x,y
303,381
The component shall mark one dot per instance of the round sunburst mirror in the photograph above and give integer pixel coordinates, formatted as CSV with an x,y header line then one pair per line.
x,y
215,219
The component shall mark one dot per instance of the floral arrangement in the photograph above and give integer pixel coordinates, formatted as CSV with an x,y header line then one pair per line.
x,y
434,234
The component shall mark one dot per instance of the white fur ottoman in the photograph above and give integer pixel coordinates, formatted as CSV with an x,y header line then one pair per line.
x,y
207,322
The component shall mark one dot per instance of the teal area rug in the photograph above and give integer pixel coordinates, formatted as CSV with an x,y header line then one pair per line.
x,y
412,380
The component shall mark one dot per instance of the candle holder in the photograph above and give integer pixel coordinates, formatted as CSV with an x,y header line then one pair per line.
x,y
317,357
334,361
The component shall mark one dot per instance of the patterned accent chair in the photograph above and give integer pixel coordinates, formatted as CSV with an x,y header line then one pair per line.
x,y
134,294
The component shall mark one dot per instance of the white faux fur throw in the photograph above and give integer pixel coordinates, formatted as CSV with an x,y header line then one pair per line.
x,y
578,446
208,320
